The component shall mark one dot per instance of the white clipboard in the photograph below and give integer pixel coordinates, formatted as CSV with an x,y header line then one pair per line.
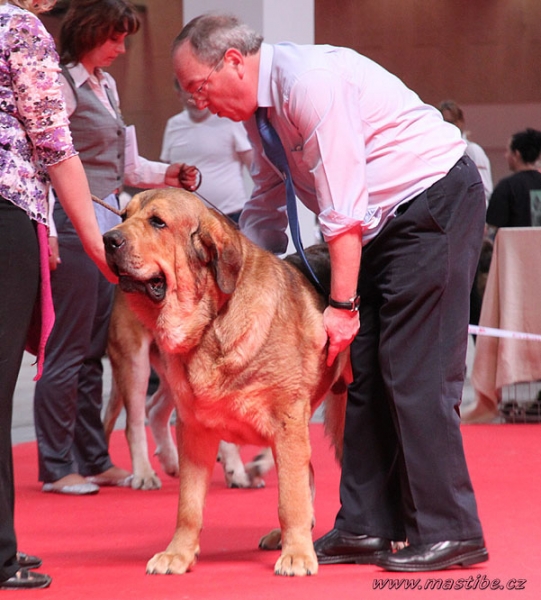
x,y
131,158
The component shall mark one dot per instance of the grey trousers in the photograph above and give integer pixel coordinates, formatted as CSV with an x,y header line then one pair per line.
x,y
404,473
68,397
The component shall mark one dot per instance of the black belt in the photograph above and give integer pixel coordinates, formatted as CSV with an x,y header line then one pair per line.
x,y
404,207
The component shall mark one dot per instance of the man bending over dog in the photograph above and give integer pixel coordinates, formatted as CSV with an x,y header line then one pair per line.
x,y
388,180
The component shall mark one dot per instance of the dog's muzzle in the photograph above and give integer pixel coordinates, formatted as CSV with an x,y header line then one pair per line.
x,y
116,252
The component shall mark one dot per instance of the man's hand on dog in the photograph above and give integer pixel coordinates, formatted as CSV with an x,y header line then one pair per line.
x,y
341,327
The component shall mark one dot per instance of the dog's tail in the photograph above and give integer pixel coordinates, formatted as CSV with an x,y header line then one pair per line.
x,y
335,407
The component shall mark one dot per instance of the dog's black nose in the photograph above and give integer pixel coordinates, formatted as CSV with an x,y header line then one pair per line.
x,y
113,240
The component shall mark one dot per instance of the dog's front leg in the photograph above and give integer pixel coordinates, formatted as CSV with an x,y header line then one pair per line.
x,y
197,456
295,506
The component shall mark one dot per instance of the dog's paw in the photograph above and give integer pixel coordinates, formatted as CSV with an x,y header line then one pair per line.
x,y
168,458
237,479
296,564
166,563
259,466
146,481
271,541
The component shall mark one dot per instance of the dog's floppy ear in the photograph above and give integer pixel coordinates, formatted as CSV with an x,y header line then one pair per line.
x,y
215,246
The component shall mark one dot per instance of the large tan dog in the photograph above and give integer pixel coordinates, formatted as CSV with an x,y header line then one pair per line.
x,y
243,348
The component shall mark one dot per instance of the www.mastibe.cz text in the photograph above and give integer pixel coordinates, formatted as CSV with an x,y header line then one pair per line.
x,y
479,582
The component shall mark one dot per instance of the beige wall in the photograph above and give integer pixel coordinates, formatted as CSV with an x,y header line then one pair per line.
x,y
485,54
485,51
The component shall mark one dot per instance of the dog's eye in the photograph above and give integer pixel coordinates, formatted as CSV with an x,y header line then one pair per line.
x,y
157,222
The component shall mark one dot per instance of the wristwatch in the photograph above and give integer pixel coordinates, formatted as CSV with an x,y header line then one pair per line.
x,y
352,304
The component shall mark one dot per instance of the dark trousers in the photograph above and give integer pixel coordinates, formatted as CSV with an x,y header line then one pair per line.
x,y
68,398
19,284
404,472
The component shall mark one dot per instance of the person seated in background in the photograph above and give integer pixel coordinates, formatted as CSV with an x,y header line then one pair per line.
x,y
452,113
515,197
220,149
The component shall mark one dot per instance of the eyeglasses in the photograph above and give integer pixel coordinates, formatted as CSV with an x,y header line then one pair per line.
x,y
198,95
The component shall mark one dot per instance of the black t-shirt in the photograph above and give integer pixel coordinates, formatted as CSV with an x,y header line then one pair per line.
x,y
511,201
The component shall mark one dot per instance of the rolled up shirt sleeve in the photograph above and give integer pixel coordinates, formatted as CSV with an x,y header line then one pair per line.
x,y
327,116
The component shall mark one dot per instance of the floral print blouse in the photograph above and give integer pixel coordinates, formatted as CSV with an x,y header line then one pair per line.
x,y
34,126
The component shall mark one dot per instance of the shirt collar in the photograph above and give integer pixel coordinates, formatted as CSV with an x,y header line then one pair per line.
x,y
80,75
264,96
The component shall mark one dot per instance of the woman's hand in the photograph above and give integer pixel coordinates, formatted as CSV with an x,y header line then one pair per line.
x,y
182,175
54,254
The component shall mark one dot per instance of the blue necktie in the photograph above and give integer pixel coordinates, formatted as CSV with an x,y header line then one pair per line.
x,y
276,154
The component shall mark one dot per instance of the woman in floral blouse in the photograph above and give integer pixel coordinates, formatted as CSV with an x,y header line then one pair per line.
x,y
35,149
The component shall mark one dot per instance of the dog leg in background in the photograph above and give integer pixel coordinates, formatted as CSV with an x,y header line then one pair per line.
x,y
128,351
234,472
159,409
259,467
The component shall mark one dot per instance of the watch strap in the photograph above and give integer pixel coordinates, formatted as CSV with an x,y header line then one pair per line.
x,y
352,304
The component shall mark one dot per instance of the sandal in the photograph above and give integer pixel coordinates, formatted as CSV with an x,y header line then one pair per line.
x,y
25,580
28,561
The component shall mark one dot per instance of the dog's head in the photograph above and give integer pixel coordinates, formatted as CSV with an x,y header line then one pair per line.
x,y
178,261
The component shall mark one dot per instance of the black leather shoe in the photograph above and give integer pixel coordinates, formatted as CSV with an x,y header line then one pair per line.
x,y
338,547
28,561
26,580
434,557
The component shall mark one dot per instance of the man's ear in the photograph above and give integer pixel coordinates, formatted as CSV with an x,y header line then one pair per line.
x,y
236,59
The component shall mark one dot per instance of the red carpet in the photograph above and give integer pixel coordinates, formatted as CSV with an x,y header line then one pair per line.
x,y
96,547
